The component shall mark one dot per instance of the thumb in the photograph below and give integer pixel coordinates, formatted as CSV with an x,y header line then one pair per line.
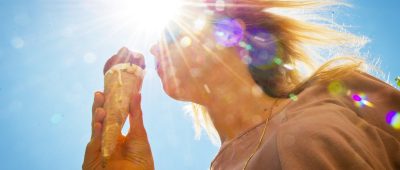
x,y
137,130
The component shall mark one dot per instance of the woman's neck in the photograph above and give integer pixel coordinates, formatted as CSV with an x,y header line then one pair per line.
x,y
235,104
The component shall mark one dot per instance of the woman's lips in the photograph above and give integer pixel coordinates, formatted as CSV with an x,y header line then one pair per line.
x,y
160,67
161,60
165,68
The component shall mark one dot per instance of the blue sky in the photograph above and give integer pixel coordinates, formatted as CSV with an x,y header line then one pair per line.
x,y
52,55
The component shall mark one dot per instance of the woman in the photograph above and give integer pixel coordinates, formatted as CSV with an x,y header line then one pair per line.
x,y
245,71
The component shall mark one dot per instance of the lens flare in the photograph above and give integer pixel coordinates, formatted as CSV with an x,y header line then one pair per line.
x,y
220,5
56,118
263,47
393,119
186,42
277,60
257,47
398,81
289,66
336,88
360,100
228,32
293,97
199,24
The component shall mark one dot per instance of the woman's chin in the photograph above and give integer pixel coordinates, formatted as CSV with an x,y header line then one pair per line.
x,y
172,91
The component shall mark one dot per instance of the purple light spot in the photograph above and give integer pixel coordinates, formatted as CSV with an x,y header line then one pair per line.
x,y
357,98
390,116
264,46
228,32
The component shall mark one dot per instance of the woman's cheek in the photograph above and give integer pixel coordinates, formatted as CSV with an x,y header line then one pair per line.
x,y
194,57
177,88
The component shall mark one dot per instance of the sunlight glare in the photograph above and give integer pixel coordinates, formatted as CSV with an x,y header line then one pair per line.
x,y
144,16
199,24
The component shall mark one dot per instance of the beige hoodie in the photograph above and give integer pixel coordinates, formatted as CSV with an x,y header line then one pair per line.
x,y
322,130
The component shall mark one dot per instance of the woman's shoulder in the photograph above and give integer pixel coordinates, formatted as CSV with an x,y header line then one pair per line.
x,y
327,127
358,97
331,142
363,81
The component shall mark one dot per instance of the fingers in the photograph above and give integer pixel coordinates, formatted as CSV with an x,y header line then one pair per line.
x,y
136,129
135,105
98,115
98,101
98,119
137,146
98,112
93,148
97,129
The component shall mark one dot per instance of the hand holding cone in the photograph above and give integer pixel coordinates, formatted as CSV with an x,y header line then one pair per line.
x,y
108,148
123,76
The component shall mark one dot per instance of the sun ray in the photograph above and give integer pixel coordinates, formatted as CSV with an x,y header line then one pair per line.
x,y
231,70
182,26
180,51
166,49
235,5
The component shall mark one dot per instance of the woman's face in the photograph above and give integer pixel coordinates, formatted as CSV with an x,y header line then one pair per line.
x,y
187,62
181,61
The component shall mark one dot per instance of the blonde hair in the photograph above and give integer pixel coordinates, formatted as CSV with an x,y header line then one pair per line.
x,y
303,41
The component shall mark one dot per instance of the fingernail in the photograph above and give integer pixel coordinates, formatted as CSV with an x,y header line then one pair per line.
x,y
123,52
142,64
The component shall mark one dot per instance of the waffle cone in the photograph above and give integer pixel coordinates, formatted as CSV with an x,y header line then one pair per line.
x,y
120,82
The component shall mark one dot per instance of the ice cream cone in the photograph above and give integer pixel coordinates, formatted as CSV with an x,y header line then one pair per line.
x,y
123,76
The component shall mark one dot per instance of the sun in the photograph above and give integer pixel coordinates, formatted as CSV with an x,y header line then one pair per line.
x,y
142,16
